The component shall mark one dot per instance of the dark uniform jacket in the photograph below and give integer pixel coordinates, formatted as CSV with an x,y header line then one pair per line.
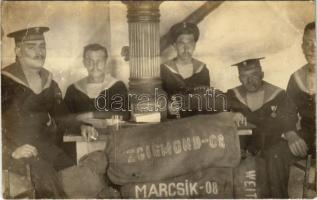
x,y
30,118
275,117
305,101
78,101
38,120
173,83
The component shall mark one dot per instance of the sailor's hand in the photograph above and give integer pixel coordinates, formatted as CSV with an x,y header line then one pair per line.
x,y
89,132
296,144
174,106
24,151
240,119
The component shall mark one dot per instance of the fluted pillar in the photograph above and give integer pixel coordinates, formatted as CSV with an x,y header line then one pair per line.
x,y
144,42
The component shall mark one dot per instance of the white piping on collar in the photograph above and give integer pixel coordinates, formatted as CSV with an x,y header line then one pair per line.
x,y
201,67
16,79
105,85
171,69
78,87
48,82
272,96
275,93
300,83
239,97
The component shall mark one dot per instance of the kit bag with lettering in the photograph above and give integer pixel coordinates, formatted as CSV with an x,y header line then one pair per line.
x,y
172,148
208,183
250,179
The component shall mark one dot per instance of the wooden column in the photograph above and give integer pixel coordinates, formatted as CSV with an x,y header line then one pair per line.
x,y
144,42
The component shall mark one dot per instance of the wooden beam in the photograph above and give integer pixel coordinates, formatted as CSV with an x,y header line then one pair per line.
x,y
195,17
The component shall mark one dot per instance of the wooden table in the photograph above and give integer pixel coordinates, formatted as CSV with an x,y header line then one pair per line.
x,y
84,147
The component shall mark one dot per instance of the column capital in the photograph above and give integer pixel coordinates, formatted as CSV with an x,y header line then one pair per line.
x,y
143,11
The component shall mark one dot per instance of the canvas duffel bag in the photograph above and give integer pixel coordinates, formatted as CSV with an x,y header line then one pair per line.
x,y
208,183
250,180
172,148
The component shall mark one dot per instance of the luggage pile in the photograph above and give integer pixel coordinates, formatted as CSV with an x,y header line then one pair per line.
x,y
193,157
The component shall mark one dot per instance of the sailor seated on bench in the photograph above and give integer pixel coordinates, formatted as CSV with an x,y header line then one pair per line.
x,y
271,111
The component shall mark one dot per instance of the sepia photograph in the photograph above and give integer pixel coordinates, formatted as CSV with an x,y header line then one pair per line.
x,y
158,99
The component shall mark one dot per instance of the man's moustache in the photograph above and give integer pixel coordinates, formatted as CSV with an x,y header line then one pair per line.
x,y
253,83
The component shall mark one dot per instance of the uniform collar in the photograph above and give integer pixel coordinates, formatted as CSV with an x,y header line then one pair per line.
x,y
198,66
300,79
15,72
81,85
270,92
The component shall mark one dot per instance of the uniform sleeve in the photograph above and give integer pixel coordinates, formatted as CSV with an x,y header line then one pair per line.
x,y
68,99
8,146
233,104
291,96
287,113
6,94
165,76
291,89
7,149
59,111
205,77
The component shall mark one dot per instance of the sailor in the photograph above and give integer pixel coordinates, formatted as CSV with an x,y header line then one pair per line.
x,y
34,115
302,89
184,74
273,113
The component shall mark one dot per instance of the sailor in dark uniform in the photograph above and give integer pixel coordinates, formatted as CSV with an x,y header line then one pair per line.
x,y
32,114
82,96
184,73
268,107
302,89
